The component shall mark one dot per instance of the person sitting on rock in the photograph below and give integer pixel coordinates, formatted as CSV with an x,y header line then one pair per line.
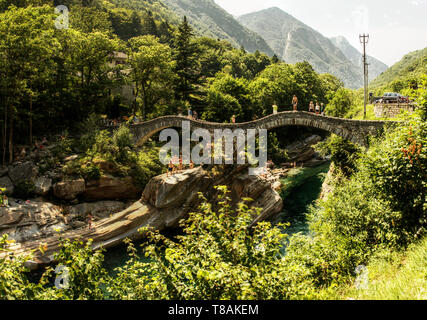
x,y
5,201
23,153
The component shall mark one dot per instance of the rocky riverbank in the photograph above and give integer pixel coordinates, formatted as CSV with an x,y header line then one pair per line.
x,y
165,201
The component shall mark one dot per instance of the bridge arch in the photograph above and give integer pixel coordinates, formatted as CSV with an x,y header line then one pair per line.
x,y
354,130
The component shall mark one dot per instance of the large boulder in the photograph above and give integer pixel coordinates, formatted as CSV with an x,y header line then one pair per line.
x,y
69,189
109,187
171,198
5,182
302,151
23,171
42,186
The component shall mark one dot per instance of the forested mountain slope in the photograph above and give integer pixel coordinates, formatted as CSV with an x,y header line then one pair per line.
x,y
209,19
412,65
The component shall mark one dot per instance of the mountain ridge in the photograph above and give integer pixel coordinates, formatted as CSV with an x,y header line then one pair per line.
x,y
376,67
209,19
294,41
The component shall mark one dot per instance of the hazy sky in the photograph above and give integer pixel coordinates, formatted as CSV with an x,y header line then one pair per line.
x,y
396,27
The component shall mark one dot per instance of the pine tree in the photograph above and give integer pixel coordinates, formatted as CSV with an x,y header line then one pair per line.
x,y
186,63
150,27
275,59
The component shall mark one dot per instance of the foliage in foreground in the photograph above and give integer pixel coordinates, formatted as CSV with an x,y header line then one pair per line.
x,y
218,257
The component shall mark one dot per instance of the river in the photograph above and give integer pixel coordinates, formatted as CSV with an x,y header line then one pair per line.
x,y
300,189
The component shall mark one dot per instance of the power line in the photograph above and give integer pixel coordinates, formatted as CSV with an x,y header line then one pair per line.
x,y
364,39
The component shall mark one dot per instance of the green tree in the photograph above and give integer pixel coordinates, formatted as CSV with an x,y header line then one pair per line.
x,y
227,96
152,67
340,104
89,19
26,44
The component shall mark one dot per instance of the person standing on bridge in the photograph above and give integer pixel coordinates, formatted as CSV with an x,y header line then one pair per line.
x,y
275,108
322,109
233,119
190,113
311,107
317,108
195,115
295,103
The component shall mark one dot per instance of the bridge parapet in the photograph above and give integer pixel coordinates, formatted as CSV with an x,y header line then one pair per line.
x,y
354,130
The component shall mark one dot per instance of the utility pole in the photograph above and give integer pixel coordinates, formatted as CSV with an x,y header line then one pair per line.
x,y
364,39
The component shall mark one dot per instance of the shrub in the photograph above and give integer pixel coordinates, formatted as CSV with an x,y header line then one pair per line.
x,y
13,282
24,189
344,154
147,166
91,172
85,271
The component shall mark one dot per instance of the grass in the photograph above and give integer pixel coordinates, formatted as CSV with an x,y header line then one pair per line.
x,y
394,276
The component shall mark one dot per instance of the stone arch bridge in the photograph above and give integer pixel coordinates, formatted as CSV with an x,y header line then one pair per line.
x,y
356,131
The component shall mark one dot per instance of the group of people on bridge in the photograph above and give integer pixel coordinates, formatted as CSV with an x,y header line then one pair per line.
x,y
317,109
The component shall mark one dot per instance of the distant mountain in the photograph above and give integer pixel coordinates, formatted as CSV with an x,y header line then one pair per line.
x,y
412,65
376,67
294,41
209,19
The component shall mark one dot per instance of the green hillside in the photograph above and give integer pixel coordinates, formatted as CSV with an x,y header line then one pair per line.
x,y
411,66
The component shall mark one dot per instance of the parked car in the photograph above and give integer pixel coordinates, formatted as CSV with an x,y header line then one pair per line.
x,y
393,97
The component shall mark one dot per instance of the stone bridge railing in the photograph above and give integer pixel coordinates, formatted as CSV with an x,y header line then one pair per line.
x,y
356,131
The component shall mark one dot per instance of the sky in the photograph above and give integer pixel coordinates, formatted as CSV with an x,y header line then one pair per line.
x,y
395,27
